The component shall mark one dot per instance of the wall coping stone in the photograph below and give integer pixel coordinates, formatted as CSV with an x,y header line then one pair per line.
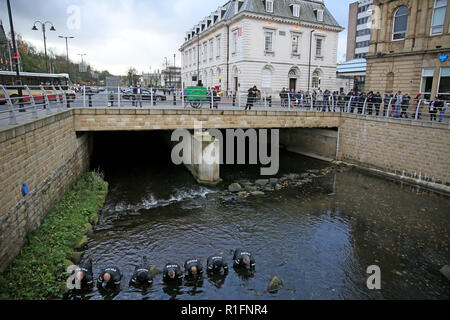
x,y
11,132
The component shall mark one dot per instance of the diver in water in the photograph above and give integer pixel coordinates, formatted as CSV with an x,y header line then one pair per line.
x,y
142,274
111,276
83,274
193,268
243,259
172,272
215,264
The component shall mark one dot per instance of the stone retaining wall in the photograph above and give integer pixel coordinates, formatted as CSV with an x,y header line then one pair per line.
x,y
48,156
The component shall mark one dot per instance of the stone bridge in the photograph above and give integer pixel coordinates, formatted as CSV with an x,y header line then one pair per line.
x,y
49,153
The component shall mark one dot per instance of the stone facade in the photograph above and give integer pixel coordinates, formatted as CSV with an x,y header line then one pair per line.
x,y
396,146
401,64
91,120
231,52
47,155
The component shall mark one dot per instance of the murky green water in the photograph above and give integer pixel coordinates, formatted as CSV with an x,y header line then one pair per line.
x,y
318,239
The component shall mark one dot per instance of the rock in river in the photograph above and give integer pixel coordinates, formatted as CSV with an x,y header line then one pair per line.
x,y
251,188
446,271
257,193
235,187
262,182
275,284
274,180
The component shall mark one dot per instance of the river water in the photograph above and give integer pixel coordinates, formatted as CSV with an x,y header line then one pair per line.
x,y
318,239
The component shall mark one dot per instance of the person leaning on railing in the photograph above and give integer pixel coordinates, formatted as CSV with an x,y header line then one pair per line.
x,y
433,108
442,107
405,105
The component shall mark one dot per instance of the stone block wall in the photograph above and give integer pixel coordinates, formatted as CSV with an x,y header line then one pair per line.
x,y
396,146
48,156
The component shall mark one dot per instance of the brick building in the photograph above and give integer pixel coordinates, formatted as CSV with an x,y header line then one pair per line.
x,y
410,47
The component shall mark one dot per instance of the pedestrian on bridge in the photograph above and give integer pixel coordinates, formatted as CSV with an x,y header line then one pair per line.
x,y
137,92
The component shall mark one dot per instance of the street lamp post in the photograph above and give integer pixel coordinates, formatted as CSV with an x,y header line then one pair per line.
x,y
82,62
67,51
16,55
45,40
309,65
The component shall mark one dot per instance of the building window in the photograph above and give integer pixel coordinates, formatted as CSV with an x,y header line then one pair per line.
x,y
400,24
218,47
296,10
205,51
211,49
269,6
363,32
361,55
437,23
295,44
427,81
319,15
315,80
362,44
268,41
266,78
319,44
444,83
363,20
234,41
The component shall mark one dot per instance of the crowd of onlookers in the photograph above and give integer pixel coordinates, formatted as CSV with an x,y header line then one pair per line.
x,y
371,103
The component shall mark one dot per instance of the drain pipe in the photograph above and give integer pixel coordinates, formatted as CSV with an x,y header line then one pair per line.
x,y
228,56
337,144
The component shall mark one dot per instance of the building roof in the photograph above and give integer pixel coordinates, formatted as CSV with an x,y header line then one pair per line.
x,y
352,66
281,9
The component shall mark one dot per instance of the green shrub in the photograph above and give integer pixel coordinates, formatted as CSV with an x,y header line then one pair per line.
x,y
39,270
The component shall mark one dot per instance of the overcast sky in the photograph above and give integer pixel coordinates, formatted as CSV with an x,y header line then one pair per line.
x,y
117,34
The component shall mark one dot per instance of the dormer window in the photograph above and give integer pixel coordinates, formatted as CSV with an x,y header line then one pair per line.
x,y
319,15
269,6
238,6
296,10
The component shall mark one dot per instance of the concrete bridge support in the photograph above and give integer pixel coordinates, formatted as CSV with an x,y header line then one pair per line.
x,y
205,159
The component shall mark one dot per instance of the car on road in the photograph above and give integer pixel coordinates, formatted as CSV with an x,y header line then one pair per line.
x,y
146,95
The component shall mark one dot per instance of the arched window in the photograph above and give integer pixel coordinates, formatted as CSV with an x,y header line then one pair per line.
x,y
400,24
266,78
316,79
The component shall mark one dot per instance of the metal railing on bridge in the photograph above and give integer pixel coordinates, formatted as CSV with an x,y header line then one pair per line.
x,y
24,102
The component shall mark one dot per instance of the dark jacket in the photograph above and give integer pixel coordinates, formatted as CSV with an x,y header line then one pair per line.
x,y
115,273
86,268
142,274
238,259
216,263
193,263
176,268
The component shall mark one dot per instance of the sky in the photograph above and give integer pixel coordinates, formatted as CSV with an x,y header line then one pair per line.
x,y
118,34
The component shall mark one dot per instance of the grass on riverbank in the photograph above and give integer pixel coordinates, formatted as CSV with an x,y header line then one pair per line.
x,y
39,270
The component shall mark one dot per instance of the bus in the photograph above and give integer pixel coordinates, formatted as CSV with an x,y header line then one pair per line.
x,y
33,80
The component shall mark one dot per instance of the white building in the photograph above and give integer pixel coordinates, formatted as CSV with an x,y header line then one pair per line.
x,y
264,43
